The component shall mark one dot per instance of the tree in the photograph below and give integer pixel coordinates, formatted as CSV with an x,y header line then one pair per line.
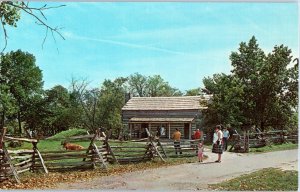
x,y
7,104
193,92
152,86
88,100
157,87
22,79
227,97
267,82
261,91
137,84
112,99
61,116
10,14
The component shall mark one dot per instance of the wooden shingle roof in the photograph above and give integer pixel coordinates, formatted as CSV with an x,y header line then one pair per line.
x,y
164,103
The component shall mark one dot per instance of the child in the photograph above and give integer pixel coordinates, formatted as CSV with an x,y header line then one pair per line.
x,y
200,151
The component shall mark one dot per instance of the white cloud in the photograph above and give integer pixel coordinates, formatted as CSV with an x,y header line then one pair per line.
x,y
121,43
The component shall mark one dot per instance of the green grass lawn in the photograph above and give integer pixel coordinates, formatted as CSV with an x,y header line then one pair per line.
x,y
274,147
270,179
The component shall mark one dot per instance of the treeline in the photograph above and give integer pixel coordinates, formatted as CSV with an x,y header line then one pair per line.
x,y
260,91
27,108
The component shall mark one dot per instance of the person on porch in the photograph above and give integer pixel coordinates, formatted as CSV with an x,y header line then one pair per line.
x,y
176,137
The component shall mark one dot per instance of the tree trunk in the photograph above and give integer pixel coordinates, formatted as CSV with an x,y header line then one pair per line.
x,y
19,122
2,120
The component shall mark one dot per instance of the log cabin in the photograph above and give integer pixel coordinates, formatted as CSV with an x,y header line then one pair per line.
x,y
162,115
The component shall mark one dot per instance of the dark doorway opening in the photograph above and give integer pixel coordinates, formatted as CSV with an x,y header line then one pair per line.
x,y
186,130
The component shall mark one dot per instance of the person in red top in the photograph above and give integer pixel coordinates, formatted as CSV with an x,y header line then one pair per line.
x,y
197,134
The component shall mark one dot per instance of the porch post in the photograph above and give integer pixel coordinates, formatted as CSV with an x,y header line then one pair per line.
x,y
130,132
190,130
169,130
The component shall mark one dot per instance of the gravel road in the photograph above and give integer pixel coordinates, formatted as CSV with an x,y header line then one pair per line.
x,y
191,176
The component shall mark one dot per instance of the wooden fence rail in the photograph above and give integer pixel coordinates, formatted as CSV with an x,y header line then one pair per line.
x,y
261,139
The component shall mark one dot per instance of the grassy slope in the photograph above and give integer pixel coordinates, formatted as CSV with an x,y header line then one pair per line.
x,y
270,179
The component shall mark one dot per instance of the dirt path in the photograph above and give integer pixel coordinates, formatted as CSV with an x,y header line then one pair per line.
x,y
191,176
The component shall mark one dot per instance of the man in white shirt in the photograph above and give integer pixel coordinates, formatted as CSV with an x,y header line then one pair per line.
x,y
226,136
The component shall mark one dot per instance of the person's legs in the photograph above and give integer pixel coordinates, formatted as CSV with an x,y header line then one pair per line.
x,y
175,147
225,144
219,157
179,148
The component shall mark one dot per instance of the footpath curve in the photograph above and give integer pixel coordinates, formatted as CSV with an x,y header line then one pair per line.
x,y
191,176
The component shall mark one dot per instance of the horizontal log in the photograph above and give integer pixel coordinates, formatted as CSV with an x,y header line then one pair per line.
x,y
3,165
136,157
69,169
18,168
66,164
128,147
130,141
21,157
182,148
65,158
63,151
130,155
132,160
292,136
129,151
22,151
45,156
181,155
6,138
23,162
24,170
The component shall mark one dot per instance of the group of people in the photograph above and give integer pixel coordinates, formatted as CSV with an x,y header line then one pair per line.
x,y
220,142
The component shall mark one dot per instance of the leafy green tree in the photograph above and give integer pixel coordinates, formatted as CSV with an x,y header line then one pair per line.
x,y
267,82
112,99
61,116
262,89
193,92
7,104
227,97
22,78
152,86
157,87
137,84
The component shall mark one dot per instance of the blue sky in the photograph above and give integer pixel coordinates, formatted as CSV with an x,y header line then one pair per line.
x,y
182,42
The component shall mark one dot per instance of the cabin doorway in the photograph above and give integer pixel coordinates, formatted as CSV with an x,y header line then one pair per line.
x,y
186,130
143,130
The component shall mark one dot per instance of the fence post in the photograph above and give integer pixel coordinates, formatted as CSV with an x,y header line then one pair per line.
x,y
2,134
108,148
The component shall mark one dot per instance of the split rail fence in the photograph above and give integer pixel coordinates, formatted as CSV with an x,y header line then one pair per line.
x,y
242,143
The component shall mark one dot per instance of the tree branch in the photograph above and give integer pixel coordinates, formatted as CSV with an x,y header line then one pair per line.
x,y
5,35
31,11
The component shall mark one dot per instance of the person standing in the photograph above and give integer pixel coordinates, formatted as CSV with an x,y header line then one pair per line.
x,y
226,136
217,143
197,134
200,152
176,137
